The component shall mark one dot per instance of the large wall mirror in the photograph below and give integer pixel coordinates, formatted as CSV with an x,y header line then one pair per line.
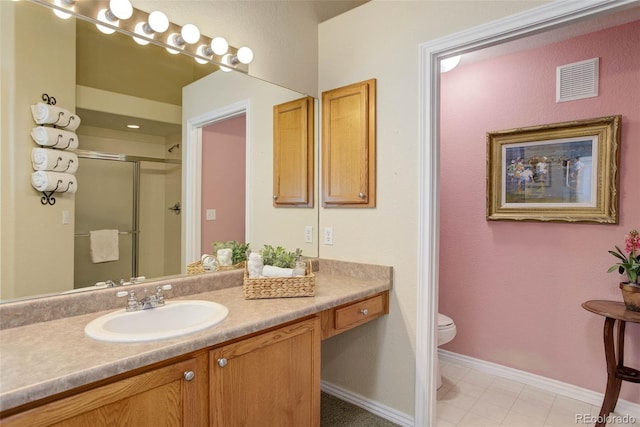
x,y
140,182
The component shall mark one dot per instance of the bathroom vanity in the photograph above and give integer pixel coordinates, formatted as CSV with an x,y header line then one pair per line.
x,y
261,363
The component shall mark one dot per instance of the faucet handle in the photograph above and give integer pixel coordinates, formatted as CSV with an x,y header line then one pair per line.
x,y
132,301
159,289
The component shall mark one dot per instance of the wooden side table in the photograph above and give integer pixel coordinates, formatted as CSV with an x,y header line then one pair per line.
x,y
616,371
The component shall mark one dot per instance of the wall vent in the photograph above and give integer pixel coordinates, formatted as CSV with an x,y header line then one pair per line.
x,y
577,81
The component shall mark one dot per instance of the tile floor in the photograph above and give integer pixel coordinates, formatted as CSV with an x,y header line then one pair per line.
x,y
470,398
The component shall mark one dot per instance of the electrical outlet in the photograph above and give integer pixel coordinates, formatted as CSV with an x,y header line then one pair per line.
x,y
328,235
211,214
308,234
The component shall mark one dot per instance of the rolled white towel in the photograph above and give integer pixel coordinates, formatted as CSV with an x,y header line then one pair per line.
x,y
225,256
273,271
254,265
54,181
53,137
52,115
45,159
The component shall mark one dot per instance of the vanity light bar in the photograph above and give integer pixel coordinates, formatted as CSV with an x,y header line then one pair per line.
x,y
88,11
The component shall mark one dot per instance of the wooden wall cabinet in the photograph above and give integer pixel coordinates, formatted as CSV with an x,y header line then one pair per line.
x,y
349,146
173,395
270,379
293,153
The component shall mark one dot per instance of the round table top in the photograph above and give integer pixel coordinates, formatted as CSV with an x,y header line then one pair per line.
x,y
612,309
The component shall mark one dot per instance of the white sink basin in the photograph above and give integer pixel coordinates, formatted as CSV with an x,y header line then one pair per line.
x,y
174,319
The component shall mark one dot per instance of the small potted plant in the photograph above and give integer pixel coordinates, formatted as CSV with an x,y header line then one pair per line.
x,y
629,264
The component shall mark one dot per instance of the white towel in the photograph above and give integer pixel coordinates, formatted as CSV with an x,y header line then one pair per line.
x,y
52,137
225,256
52,115
273,271
104,245
255,265
59,182
45,159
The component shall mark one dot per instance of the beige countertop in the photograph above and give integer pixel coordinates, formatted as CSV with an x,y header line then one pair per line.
x,y
42,359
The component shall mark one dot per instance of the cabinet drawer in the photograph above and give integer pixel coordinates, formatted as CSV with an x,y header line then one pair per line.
x,y
343,318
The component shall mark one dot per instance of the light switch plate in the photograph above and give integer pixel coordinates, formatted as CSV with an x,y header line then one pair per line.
x,y
308,234
211,214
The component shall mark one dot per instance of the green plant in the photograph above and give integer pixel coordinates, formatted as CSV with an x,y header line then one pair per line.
x,y
628,264
239,250
279,256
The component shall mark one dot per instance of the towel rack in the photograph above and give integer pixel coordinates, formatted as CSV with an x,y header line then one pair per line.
x,y
119,232
47,197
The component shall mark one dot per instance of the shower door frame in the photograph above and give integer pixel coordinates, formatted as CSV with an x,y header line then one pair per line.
x,y
136,160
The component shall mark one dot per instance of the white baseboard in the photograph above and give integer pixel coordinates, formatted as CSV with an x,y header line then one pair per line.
x,y
623,407
376,408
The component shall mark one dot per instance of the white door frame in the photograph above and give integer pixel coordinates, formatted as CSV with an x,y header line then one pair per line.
x,y
430,53
192,175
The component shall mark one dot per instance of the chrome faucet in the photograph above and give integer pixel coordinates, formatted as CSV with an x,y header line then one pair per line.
x,y
147,301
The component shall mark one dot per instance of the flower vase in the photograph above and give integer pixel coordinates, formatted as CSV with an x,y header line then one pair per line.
x,y
631,295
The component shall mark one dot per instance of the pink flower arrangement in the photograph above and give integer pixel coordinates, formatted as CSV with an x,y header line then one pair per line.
x,y
628,264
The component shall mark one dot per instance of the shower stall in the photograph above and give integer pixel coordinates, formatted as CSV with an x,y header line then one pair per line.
x,y
136,196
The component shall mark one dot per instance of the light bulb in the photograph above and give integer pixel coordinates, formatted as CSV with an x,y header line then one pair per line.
x,y
139,29
219,46
122,9
102,16
158,21
449,63
190,33
171,41
69,5
227,61
245,55
202,52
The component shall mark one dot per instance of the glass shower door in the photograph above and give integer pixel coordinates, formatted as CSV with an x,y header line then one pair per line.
x,y
106,199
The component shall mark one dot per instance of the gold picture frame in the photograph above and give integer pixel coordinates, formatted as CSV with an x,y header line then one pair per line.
x,y
565,172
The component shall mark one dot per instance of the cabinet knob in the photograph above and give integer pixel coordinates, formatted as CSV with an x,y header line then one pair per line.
x,y
361,195
189,375
222,362
364,311
275,197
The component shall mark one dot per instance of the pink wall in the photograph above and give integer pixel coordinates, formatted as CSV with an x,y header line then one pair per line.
x,y
223,181
515,289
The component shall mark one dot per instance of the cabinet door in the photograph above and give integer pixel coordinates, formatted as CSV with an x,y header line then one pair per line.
x,y
293,159
272,379
349,146
175,395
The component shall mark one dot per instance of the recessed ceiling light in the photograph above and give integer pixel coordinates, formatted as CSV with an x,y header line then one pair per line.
x,y
133,126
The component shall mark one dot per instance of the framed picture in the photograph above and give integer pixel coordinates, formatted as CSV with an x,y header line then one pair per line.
x,y
557,172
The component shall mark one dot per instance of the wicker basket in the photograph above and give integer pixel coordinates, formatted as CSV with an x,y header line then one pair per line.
x,y
198,268
195,268
279,287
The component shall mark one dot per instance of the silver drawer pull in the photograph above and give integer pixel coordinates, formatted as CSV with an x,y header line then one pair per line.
x,y
364,311
189,375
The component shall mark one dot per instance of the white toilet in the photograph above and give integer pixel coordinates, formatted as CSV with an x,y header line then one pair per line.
x,y
446,332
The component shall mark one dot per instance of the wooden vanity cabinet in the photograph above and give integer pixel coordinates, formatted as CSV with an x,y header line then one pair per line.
x,y
350,315
293,153
349,146
271,379
173,395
